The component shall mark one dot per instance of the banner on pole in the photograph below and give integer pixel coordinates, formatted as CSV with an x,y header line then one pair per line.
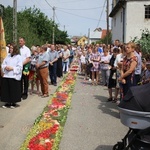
x,y
3,51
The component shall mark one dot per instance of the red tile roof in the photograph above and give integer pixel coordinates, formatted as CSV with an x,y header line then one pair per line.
x,y
104,33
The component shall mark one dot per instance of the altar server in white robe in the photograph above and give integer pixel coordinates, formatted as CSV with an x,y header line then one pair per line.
x,y
11,81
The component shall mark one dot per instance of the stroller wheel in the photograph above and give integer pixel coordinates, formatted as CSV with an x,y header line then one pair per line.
x,y
119,146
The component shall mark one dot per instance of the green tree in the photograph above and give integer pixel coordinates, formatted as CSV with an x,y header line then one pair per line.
x,y
8,23
39,25
34,26
61,37
104,40
144,41
107,37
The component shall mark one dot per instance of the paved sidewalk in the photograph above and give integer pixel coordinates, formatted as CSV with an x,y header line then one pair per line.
x,y
92,123
15,123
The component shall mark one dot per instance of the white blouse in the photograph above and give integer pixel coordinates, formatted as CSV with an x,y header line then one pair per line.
x,y
118,59
83,60
25,52
15,62
103,59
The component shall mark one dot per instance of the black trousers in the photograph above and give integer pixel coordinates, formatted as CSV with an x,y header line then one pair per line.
x,y
136,79
0,83
11,91
53,73
24,84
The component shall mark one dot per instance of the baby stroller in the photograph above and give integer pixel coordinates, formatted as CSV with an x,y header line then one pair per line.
x,y
135,114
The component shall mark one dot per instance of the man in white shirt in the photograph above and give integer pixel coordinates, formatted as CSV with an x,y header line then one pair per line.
x,y
48,47
65,60
25,54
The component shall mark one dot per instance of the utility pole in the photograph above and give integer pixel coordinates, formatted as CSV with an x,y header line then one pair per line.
x,y
64,28
107,16
53,36
3,52
15,21
89,36
1,14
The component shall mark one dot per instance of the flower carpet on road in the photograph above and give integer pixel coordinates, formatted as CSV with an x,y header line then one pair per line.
x,y
47,130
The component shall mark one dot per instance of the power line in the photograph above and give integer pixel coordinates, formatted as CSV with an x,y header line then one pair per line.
x,y
107,15
59,22
48,3
78,15
59,8
42,7
57,18
101,14
80,9
36,3
15,21
73,1
70,9
24,6
53,34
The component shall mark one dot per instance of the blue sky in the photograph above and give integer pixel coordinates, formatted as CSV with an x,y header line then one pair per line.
x,y
74,16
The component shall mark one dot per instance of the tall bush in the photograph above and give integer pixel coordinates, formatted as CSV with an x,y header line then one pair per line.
x,y
144,41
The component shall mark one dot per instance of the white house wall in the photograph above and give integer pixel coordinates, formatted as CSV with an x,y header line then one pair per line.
x,y
94,36
136,21
117,26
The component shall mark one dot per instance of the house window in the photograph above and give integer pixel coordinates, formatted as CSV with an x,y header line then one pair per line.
x,y
147,11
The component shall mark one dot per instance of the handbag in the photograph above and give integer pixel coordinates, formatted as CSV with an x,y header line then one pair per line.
x,y
90,65
26,69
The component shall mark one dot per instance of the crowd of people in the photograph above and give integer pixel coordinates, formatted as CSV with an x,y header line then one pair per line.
x,y
117,66
24,68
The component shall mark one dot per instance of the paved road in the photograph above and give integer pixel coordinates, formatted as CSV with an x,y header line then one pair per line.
x,y
92,124
15,123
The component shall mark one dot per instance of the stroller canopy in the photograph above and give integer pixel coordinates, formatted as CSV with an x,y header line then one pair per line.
x,y
137,98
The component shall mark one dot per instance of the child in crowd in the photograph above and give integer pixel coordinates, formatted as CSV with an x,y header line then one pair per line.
x,y
146,74
79,53
33,78
143,66
83,62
